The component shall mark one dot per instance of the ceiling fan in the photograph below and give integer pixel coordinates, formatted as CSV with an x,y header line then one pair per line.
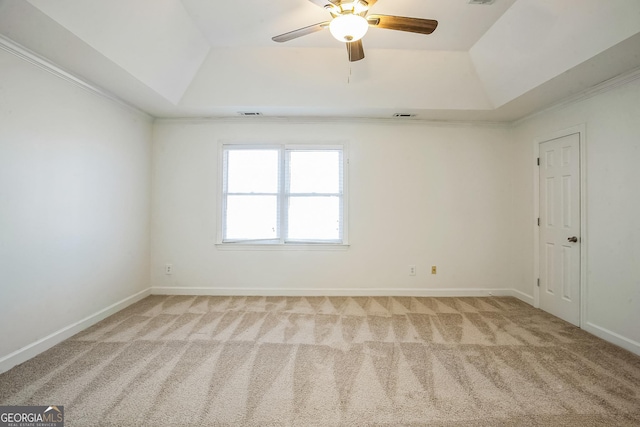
x,y
350,23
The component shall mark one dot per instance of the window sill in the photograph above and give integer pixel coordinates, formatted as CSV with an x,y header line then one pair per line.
x,y
282,247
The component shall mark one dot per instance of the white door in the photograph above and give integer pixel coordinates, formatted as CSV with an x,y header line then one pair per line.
x,y
560,227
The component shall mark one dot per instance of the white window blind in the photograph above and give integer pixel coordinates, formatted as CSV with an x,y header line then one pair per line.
x,y
283,194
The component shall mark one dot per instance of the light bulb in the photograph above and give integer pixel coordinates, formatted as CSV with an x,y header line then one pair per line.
x,y
348,28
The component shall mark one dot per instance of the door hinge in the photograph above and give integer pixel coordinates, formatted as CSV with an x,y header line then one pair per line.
x,y
538,221
538,161
538,282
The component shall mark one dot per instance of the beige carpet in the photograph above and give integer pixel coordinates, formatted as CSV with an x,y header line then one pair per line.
x,y
271,361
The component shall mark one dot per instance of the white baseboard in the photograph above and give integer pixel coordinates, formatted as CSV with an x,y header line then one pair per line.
x,y
521,296
612,337
354,292
25,353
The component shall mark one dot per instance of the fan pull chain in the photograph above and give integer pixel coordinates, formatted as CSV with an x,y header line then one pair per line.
x,y
349,73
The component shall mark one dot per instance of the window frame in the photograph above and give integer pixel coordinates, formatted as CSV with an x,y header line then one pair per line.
x,y
283,196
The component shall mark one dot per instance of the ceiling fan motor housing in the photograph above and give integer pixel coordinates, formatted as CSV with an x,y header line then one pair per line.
x,y
348,7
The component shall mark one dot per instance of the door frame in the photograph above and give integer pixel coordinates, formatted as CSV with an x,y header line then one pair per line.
x,y
581,131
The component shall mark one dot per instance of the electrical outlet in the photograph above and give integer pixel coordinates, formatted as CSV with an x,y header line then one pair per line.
x,y
433,269
412,270
168,269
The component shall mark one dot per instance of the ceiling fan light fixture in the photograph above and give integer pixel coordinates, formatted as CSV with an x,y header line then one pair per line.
x,y
348,28
360,7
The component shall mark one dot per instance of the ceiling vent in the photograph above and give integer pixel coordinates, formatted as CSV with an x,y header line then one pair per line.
x,y
403,115
249,113
487,2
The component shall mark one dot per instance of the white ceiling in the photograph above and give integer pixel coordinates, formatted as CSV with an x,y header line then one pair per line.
x,y
225,24
195,58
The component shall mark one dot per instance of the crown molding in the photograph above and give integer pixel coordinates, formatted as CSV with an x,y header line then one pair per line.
x,y
33,58
603,87
330,119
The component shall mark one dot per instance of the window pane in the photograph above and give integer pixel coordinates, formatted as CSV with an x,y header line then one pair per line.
x,y
314,218
252,171
314,171
251,217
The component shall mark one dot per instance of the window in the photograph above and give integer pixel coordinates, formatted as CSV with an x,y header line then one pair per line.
x,y
282,194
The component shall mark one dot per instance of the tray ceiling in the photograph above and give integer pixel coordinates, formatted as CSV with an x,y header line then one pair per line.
x,y
195,58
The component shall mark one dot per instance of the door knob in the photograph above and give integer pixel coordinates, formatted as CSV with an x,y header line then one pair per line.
x,y
573,239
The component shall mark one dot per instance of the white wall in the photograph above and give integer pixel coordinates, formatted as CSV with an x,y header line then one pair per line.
x,y
612,122
74,204
419,194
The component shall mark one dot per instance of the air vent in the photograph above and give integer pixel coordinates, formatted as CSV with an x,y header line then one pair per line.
x,y
403,115
249,113
487,2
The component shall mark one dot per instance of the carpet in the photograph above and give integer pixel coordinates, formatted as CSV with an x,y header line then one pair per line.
x,y
332,361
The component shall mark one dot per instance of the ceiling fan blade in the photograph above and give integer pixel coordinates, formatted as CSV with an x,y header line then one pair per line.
x,y
355,51
403,23
300,32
